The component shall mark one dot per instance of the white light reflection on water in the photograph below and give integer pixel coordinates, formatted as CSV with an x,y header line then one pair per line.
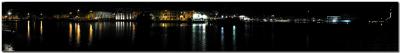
x,y
234,37
41,31
8,48
199,36
41,27
194,36
222,39
100,26
165,33
28,32
77,34
70,32
90,34
117,28
204,37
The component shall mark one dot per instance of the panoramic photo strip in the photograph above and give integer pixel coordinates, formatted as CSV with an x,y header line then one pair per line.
x,y
200,26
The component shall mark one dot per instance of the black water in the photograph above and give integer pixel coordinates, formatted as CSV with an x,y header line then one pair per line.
x,y
131,36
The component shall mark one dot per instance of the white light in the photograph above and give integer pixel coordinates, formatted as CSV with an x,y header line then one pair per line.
x,y
346,20
204,16
9,13
196,16
246,18
234,27
242,16
199,16
283,20
334,20
265,20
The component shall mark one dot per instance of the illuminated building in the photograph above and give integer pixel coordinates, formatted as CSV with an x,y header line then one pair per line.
x,y
123,16
197,16
90,16
335,19
10,17
185,15
102,15
166,15
61,16
94,15
135,14
243,17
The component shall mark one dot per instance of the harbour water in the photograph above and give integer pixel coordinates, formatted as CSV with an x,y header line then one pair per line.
x,y
207,36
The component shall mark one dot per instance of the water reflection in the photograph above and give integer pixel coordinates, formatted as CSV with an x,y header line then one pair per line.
x,y
122,29
70,32
133,31
77,34
119,26
16,25
222,39
8,48
41,27
170,36
28,32
99,26
234,37
199,38
165,33
90,34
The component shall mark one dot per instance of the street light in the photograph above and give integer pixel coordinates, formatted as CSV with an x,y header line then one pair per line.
x,y
9,13
70,13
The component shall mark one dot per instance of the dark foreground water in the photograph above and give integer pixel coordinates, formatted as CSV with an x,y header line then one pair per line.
x,y
131,36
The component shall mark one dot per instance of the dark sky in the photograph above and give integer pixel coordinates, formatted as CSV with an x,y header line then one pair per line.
x,y
292,8
197,4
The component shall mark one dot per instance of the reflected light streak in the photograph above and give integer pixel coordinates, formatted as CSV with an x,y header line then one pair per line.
x,y
100,27
133,31
41,27
165,39
133,27
204,37
199,37
222,39
29,32
90,34
164,25
78,33
234,37
41,30
117,27
16,25
194,36
165,34
70,31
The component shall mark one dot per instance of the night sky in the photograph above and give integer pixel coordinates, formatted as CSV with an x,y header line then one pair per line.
x,y
252,8
363,26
